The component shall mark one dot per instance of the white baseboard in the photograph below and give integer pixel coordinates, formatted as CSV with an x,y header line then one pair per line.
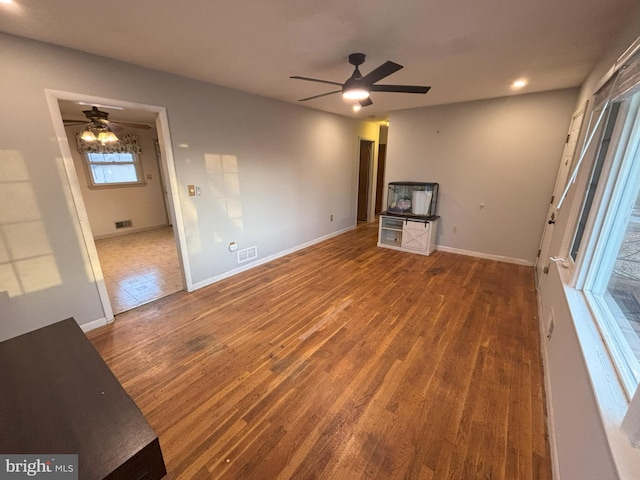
x,y
270,258
100,322
128,230
488,256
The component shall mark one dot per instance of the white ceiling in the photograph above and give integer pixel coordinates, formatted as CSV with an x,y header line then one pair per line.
x,y
464,49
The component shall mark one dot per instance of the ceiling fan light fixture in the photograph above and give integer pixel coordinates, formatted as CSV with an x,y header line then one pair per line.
x,y
111,137
355,88
88,136
355,94
107,136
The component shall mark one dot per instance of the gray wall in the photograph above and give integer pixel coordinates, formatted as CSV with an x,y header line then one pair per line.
x,y
286,170
503,153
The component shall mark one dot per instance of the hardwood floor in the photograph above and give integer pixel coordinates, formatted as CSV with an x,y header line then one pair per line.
x,y
343,361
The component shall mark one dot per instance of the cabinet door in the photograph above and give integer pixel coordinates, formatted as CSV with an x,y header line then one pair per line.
x,y
415,235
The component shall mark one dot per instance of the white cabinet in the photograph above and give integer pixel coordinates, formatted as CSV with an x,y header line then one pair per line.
x,y
409,234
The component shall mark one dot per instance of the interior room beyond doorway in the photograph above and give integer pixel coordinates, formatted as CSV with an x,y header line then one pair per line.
x,y
140,267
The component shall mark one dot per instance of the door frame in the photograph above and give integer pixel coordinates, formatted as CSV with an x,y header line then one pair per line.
x,y
370,176
380,173
575,133
168,170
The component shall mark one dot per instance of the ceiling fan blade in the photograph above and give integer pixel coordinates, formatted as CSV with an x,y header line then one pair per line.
x,y
366,102
130,125
384,70
297,77
318,96
73,122
114,127
400,88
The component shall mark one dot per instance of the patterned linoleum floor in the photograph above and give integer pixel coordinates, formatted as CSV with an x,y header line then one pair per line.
x,y
139,267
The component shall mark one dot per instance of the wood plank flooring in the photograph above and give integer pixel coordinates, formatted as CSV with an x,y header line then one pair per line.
x,y
343,361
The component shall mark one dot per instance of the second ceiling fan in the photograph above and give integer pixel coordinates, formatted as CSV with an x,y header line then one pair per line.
x,y
100,118
359,87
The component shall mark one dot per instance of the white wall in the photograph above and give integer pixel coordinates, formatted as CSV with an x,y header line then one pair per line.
x,y
270,173
502,153
142,204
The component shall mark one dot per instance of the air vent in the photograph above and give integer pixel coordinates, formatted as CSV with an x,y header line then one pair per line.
x,y
247,254
124,224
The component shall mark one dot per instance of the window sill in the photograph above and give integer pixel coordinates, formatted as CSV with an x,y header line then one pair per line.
x,y
610,398
107,186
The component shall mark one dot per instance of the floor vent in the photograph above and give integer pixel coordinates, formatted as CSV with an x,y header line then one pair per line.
x,y
247,254
124,224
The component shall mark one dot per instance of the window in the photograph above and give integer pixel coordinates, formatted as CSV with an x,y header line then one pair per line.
x,y
610,239
594,179
601,243
113,168
113,164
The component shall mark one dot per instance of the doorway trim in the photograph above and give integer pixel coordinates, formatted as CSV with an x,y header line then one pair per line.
x,y
168,169
370,175
575,134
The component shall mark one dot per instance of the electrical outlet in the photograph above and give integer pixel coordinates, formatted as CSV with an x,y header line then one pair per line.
x,y
455,229
331,218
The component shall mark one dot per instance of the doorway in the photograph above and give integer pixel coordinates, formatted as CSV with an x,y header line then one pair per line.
x,y
155,117
364,175
129,222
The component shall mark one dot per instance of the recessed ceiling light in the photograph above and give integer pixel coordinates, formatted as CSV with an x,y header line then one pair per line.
x,y
519,83
357,107
6,1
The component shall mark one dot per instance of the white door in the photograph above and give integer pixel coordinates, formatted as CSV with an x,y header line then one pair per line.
x,y
542,262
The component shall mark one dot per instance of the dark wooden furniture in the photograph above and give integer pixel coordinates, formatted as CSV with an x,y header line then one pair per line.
x,y
58,396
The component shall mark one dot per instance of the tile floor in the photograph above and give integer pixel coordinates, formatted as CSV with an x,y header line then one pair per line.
x,y
139,267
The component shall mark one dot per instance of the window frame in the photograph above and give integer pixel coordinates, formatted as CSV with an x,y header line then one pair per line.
x,y
603,232
618,409
606,132
99,186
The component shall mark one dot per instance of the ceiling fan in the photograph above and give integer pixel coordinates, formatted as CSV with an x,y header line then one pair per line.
x,y
98,118
358,87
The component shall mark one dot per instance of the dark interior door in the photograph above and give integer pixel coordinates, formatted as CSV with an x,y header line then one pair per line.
x,y
363,179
